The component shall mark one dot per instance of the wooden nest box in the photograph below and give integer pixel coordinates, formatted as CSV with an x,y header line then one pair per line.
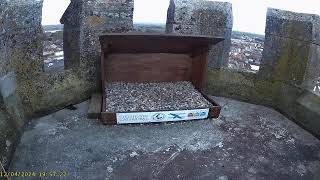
x,y
142,61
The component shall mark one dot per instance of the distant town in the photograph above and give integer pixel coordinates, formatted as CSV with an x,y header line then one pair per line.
x,y
245,55
53,48
246,51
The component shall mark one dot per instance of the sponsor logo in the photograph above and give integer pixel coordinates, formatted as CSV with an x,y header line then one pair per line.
x,y
134,117
203,113
197,114
159,116
175,116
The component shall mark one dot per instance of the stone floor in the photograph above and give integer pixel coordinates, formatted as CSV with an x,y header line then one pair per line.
x,y
246,142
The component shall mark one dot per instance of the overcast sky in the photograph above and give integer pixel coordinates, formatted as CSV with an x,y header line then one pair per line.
x,y
249,15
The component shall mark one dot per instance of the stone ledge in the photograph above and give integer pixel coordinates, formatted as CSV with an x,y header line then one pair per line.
x,y
295,102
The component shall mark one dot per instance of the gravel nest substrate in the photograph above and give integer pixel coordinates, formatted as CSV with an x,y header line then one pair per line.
x,y
166,96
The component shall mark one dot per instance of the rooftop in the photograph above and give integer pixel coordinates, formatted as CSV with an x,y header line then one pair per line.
x,y
247,142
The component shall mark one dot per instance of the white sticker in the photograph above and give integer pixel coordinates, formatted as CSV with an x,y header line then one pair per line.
x,y
162,116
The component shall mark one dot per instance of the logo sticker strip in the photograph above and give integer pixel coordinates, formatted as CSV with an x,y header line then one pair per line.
x,y
162,116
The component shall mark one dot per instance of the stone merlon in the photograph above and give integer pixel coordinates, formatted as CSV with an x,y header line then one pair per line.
x,y
199,17
83,22
298,26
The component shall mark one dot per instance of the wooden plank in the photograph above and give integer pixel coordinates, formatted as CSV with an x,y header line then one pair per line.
x,y
145,67
94,109
199,67
109,118
215,110
155,43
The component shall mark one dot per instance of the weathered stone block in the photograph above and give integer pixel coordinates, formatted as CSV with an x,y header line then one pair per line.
x,y
11,99
285,59
71,47
21,37
93,18
199,17
3,59
299,26
53,91
24,50
200,30
21,47
8,85
29,15
301,106
94,109
219,54
214,14
312,75
8,136
242,86
200,12
11,117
